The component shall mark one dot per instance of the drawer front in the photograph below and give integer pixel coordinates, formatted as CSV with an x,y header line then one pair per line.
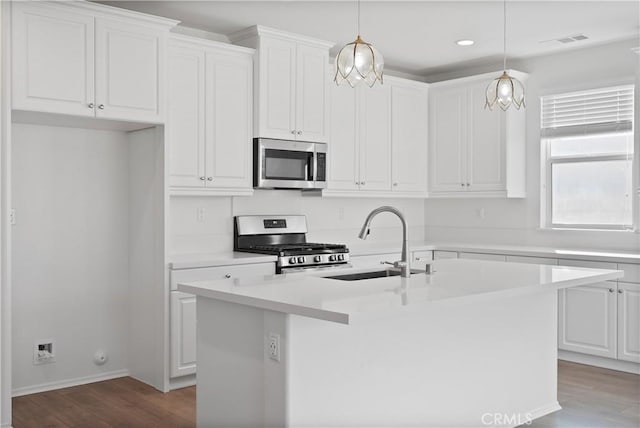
x,y
374,260
631,273
482,256
532,260
437,255
422,256
221,272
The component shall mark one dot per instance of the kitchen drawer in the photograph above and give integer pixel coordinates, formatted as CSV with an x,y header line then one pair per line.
x,y
587,264
631,273
482,256
221,272
374,260
445,255
422,256
532,260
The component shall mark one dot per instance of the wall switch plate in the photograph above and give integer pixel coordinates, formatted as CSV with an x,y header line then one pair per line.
x,y
273,346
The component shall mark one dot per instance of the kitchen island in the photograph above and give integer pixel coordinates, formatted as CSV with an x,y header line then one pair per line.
x,y
473,343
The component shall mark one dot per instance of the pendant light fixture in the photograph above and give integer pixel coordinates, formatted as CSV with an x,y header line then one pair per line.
x,y
359,62
505,91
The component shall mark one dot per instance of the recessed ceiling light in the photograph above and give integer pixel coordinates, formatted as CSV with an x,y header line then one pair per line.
x,y
465,42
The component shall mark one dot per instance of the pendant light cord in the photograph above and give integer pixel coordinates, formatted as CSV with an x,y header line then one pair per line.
x,y
504,34
358,17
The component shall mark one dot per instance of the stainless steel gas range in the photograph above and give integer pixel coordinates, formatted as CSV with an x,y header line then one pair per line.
x,y
286,237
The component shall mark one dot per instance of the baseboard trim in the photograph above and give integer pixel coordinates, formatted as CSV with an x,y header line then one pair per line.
x,y
606,363
545,410
50,386
182,382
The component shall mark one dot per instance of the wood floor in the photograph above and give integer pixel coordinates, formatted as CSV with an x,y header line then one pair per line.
x,y
591,398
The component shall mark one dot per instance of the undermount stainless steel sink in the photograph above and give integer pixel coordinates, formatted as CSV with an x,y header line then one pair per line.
x,y
368,275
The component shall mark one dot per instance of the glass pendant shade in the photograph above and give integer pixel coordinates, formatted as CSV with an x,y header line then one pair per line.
x,y
359,62
504,92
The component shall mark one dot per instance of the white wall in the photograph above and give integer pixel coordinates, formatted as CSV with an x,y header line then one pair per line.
x,y
516,221
70,251
329,219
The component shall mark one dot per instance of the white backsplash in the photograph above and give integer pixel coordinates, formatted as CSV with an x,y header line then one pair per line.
x,y
329,219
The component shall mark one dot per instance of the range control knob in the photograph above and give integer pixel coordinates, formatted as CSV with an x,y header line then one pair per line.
x,y
293,260
301,260
340,257
332,258
317,259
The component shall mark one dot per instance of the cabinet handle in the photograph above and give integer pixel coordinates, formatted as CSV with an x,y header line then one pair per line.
x,y
462,184
395,184
209,178
620,291
468,184
228,276
611,290
293,132
363,183
202,178
299,132
90,105
357,183
101,106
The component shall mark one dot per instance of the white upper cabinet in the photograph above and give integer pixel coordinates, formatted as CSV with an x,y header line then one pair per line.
x,y
378,140
84,59
409,136
474,151
53,61
291,84
130,65
210,117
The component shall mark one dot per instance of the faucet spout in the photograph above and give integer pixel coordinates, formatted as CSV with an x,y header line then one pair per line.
x,y
404,263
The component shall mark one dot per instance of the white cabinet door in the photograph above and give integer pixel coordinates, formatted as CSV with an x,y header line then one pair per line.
x,y
186,117
343,171
485,144
53,60
130,68
228,120
311,93
409,138
375,138
183,334
629,322
440,254
448,134
277,85
587,319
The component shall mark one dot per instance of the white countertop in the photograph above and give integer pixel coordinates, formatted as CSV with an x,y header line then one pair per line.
x,y
453,280
190,261
362,248
366,248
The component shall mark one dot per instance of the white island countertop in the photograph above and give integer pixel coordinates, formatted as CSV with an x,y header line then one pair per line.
x,y
452,281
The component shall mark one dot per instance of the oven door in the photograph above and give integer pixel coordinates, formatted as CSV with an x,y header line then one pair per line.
x,y
284,164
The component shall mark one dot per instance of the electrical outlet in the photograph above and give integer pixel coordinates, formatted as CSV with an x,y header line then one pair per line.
x,y
12,216
43,352
201,214
273,346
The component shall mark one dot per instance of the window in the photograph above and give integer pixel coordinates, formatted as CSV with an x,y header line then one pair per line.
x,y
587,142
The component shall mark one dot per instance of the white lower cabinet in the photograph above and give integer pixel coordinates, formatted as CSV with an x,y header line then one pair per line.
x,y
183,309
183,334
629,322
587,319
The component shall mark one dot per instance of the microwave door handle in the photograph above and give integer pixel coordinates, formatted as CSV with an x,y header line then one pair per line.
x,y
314,167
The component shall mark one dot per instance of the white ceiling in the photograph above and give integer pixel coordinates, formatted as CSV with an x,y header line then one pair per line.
x,y
418,37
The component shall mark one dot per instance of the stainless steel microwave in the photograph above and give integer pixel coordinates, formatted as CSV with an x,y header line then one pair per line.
x,y
287,164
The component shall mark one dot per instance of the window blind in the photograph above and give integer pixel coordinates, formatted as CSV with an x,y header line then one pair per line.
x,y
587,112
